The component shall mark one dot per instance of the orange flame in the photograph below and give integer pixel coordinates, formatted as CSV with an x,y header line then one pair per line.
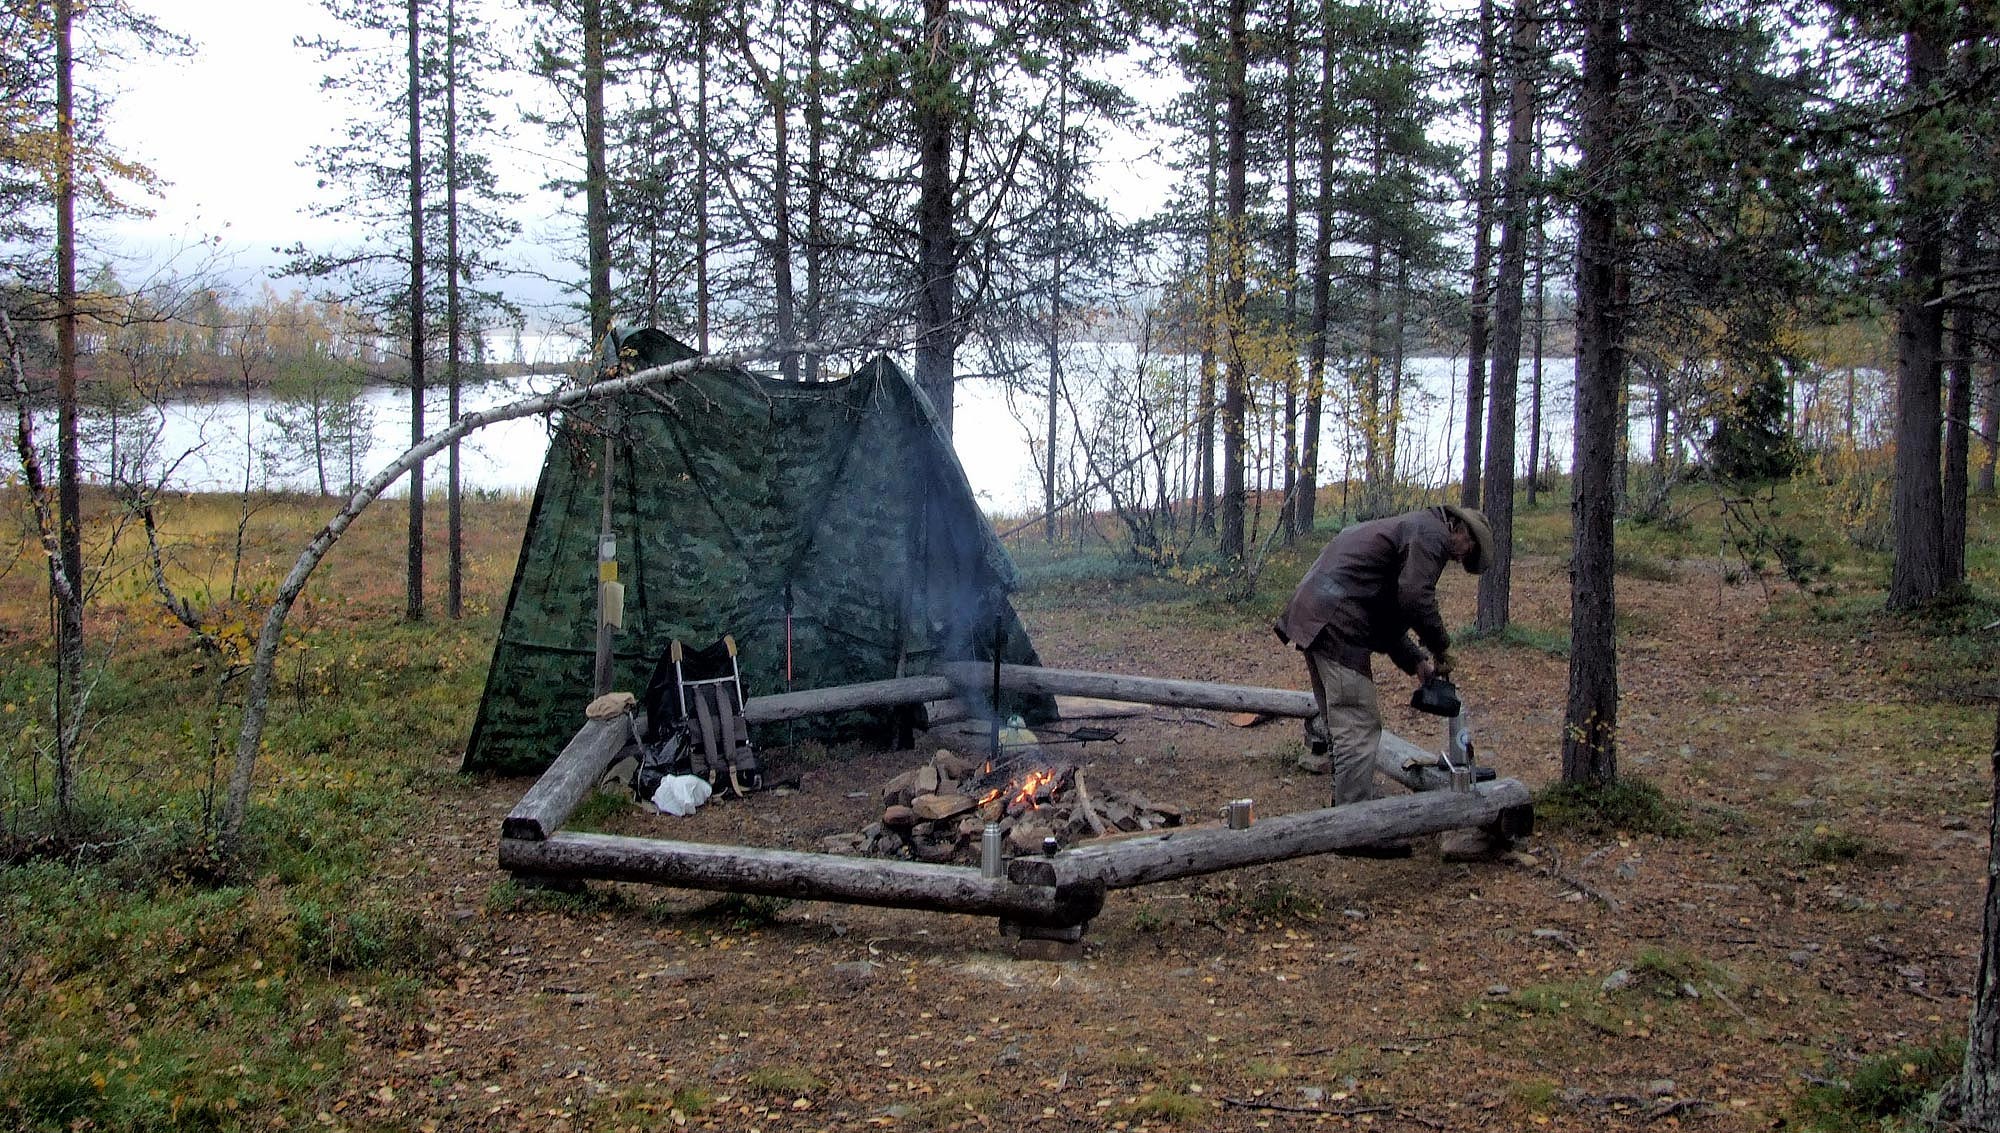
x,y
1021,794
1031,785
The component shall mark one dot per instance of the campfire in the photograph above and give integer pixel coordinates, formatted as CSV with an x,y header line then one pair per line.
x,y
937,812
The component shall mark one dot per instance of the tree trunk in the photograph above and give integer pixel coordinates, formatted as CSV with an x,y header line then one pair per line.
x,y
937,252
1540,259
702,146
1288,263
596,181
68,588
1590,727
454,316
1989,425
781,212
1392,435
1210,322
316,416
1495,582
1917,574
815,318
413,609
1322,285
1235,220
1060,193
1375,488
1958,408
1973,1101
1482,242
1621,300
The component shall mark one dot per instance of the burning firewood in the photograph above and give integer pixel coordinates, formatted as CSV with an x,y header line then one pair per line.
x,y
938,811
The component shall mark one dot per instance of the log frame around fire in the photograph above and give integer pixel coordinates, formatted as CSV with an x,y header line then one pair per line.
x,y
1041,900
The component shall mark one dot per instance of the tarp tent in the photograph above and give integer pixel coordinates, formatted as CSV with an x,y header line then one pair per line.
x,y
738,499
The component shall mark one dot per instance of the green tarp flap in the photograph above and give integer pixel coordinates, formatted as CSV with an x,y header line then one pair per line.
x,y
734,498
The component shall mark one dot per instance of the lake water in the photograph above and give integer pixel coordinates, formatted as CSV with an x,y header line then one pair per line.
x,y
209,444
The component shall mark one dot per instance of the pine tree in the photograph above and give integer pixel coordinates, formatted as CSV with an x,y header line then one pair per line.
x,y
1482,247
1590,722
409,162
1515,215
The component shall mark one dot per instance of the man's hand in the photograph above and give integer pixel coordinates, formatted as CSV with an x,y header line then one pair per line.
x,y
1426,669
1441,666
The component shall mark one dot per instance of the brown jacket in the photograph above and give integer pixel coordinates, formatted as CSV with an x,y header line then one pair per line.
x,y
1372,585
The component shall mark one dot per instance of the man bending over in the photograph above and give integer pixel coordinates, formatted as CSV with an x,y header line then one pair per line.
x,y
1372,587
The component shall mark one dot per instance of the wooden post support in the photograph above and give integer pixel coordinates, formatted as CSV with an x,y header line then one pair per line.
x,y
1187,853
547,805
804,876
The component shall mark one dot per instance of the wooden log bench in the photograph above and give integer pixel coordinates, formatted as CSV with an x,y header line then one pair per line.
x,y
1174,854
1054,895
802,876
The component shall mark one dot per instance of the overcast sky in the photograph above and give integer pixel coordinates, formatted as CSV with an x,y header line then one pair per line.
x,y
230,130
230,133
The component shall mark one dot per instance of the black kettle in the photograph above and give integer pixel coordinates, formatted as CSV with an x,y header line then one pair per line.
x,y
1437,696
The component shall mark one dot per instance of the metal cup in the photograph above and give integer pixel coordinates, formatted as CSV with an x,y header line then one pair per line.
x,y
1461,779
1241,813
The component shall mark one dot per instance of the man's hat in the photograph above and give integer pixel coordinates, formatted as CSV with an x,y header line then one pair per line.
x,y
1481,555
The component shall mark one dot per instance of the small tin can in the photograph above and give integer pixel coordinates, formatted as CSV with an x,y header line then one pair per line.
x,y
989,850
1461,779
1242,812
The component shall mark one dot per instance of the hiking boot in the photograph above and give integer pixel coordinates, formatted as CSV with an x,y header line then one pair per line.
x,y
1377,851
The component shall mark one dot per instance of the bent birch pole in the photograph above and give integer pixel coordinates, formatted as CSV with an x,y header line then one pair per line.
x,y
236,802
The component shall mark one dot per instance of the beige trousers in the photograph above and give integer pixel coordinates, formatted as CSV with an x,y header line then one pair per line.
x,y
1352,716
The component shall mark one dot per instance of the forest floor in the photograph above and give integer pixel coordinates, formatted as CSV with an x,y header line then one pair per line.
x,y
1819,909
1800,921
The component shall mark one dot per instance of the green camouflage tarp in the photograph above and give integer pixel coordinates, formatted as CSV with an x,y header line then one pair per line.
x,y
736,497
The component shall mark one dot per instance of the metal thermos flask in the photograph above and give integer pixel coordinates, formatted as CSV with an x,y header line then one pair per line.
x,y
989,850
1242,812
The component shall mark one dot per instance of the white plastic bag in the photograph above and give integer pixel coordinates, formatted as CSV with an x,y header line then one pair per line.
x,y
681,795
